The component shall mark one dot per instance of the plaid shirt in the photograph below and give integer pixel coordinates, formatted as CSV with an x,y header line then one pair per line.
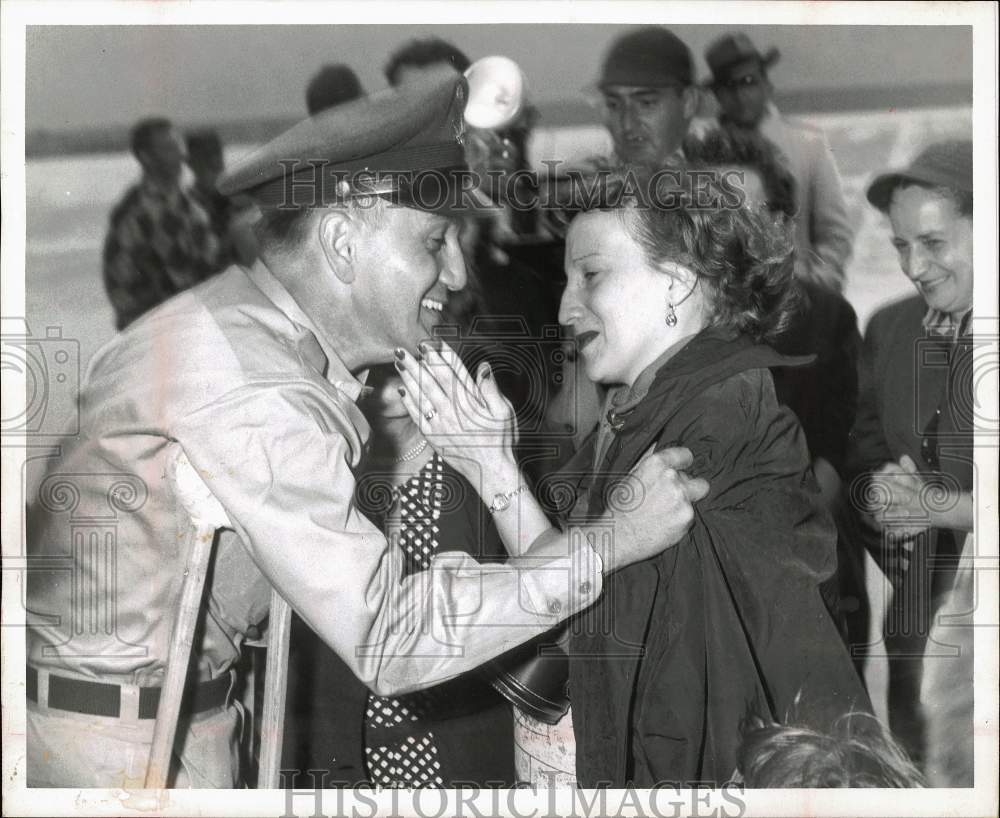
x,y
159,243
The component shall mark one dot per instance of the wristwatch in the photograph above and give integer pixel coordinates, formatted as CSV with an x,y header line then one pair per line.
x,y
502,500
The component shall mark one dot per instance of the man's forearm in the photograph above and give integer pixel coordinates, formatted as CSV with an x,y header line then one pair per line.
x,y
458,614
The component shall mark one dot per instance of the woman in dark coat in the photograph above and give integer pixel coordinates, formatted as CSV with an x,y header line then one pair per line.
x,y
671,306
731,622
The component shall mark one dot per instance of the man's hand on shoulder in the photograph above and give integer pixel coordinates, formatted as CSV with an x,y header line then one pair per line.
x,y
664,514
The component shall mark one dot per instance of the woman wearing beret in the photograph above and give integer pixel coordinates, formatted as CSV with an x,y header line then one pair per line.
x,y
672,307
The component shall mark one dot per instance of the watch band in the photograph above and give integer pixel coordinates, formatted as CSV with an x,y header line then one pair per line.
x,y
501,501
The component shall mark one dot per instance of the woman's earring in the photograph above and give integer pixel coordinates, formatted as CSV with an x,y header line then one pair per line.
x,y
671,318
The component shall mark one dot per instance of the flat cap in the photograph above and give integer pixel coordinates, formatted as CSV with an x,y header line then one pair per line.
x,y
389,143
942,164
730,50
648,57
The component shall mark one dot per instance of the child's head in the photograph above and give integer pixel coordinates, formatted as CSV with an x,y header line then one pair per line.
x,y
858,753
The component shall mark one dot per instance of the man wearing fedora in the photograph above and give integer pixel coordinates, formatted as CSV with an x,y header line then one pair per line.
x,y
252,378
741,85
647,85
911,447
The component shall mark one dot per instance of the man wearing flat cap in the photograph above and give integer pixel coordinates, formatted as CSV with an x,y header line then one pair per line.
x,y
911,446
649,98
823,235
252,378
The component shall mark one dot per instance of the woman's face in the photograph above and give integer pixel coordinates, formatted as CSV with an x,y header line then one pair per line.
x,y
614,300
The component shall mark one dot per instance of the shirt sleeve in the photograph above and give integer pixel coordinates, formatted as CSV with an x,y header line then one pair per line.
x,y
277,459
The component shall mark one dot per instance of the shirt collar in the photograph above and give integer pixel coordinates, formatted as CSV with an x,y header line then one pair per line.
x,y
944,325
336,371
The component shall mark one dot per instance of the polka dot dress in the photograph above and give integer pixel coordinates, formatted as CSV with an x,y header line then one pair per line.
x,y
398,753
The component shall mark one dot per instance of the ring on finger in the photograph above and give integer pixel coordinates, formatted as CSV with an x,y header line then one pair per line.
x,y
430,413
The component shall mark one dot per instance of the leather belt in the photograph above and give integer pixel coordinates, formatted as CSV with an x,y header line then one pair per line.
x,y
102,699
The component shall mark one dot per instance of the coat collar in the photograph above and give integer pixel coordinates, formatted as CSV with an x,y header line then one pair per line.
x,y
710,357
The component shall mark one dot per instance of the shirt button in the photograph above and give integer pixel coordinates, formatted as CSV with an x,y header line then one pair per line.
x,y
555,606
585,587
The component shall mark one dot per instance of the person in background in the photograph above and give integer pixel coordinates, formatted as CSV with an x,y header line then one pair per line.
x,y
857,752
229,219
910,459
160,241
460,731
420,54
334,84
823,395
649,97
740,82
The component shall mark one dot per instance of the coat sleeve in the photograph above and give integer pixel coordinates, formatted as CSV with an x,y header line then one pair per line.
x,y
868,448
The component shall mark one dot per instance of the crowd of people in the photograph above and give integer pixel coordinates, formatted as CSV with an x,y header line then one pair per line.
x,y
576,492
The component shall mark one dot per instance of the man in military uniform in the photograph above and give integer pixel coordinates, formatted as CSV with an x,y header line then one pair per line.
x,y
252,377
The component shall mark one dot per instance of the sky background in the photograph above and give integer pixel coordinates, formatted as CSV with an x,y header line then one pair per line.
x,y
91,76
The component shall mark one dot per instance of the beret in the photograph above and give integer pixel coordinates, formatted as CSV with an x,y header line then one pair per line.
x,y
943,164
384,143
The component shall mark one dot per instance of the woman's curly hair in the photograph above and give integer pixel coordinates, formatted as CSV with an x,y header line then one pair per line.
x,y
743,253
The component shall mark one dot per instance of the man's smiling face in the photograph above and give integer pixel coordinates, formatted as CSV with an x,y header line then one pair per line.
x,y
409,262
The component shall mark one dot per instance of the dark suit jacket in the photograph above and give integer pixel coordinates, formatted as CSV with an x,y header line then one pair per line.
x,y
915,399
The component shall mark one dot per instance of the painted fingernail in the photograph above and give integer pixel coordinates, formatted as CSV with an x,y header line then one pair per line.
x,y
398,365
402,392
399,353
419,356
485,372
422,347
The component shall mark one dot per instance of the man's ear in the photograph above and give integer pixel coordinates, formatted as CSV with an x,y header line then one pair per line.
x,y
337,235
692,97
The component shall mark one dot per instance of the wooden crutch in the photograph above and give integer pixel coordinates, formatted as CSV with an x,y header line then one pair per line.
x,y
207,517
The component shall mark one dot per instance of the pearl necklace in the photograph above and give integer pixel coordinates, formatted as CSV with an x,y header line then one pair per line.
x,y
412,452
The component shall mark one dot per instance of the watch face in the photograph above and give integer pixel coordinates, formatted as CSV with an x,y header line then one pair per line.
x,y
500,502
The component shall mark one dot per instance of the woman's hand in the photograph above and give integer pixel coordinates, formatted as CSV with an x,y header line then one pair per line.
x,y
908,503
467,420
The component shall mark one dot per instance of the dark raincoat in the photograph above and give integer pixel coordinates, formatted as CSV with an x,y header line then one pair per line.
x,y
682,647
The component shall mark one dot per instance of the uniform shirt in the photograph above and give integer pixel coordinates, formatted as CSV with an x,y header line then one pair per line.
x,y
159,242
823,234
233,374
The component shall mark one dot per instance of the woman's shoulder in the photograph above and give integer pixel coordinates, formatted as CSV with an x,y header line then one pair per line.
x,y
734,419
730,403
